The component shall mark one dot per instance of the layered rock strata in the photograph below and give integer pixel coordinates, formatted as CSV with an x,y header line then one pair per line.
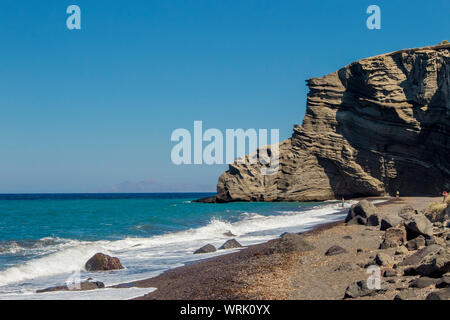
x,y
375,127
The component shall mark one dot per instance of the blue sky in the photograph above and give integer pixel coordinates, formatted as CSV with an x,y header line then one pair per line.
x,y
86,110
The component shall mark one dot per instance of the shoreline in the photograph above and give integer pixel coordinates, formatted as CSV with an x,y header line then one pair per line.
x,y
250,273
254,230
185,276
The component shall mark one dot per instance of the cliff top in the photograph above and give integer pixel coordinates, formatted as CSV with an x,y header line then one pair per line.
x,y
410,50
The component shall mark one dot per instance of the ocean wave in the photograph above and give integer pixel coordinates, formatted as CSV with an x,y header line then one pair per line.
x,y
34,246
65,256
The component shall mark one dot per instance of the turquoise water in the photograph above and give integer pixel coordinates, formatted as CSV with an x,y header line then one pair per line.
x,y
112,216
43,238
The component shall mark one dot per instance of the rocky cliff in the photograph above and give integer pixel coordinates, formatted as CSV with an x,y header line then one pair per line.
x,y
376,126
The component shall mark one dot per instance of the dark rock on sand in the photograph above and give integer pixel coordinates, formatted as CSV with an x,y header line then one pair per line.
x,y
391,281
417,257
416,244
443,294
389,273
363,209
230,244
405,295
83,286
407,212
443,282
394,237
418,225
334,250
359,289
205,249
410,271
383,259
401,250
389,221
374,220
103,262
357,220
423,282
289,242
435,264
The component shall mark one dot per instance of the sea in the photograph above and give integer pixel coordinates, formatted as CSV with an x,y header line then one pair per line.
x,y
46,239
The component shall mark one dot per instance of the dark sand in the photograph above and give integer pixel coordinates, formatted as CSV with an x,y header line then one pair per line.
x,y
252,274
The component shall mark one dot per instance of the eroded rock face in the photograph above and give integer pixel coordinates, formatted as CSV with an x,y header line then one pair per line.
x,y
376,126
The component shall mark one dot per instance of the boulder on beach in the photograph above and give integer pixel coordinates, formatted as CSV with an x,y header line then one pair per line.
x,y
103,262
443,294
418,225
357,220
205,249
417,257
390,221
363,209
359,289
435,264
374,220
394,237
405,295
423,282
389,273
287,243
383,259
407,212
230,244
82,286
443,282
401,250
334,250
416,243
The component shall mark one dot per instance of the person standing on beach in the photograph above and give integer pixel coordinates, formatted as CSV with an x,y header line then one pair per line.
x,y
343,202
397,195
445,194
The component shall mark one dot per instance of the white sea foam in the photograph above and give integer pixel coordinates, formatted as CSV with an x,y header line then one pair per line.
x,y
101,294
145,257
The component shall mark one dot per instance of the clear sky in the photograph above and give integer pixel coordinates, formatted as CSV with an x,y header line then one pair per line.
x,y
86,110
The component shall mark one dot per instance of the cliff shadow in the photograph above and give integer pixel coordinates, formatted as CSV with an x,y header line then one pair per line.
x,y
406,153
